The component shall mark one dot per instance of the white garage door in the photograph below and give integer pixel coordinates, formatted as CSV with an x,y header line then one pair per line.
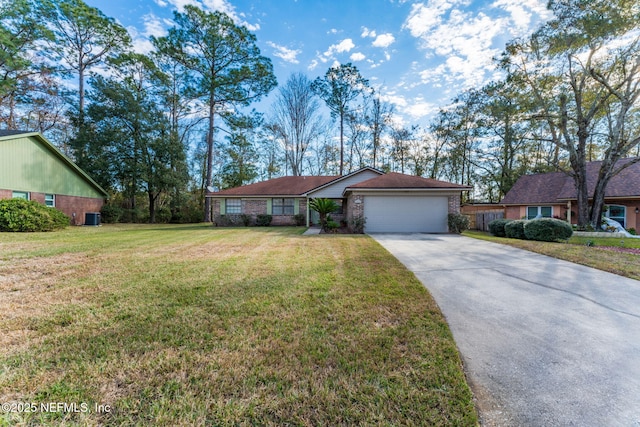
x,y
406,214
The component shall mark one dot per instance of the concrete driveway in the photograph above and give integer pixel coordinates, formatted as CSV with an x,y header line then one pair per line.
x,y
544,342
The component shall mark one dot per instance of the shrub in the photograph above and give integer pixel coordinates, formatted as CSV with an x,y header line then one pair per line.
x,y
458,223
331,226
163,215
135,215
547,230
24,215
246,219
263,220
300,219
515,229
110,214
356,224
496,227
230,220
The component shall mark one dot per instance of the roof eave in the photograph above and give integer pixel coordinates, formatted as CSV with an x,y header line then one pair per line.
x,y
405,189
252,196
340,178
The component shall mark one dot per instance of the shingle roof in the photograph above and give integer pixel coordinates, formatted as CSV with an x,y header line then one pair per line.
x,y
624,184
393,180
556,187
283,186
538,188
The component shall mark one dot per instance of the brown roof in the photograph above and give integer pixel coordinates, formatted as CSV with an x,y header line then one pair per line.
x,y
393,180
283,186
557,187
538,188
624,184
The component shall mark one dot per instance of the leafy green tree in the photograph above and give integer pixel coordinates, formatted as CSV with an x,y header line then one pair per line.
x,y
339,87
132,134
84,38
240,154
21,31
501,126
225,66
580,71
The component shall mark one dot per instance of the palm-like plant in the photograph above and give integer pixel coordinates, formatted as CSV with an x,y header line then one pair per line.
x,y
324,207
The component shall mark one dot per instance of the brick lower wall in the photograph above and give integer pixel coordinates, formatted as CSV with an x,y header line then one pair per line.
x,y
73,206
77,207
454,204
255,207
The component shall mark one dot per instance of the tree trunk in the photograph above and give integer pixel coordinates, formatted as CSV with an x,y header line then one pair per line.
x,y
209,179
341,142
152,208
80,90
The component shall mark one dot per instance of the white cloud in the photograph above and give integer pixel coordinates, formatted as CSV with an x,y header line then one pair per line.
x,y
212,5
423,18
344,46
460,44
313,65
384,40
367,33
393,98
357,56
288,55
152,26
522,13
420,109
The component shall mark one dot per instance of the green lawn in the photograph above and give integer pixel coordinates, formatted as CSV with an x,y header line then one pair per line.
x,y
581,250
192,325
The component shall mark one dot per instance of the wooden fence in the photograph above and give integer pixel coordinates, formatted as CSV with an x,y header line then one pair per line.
x,y
480,221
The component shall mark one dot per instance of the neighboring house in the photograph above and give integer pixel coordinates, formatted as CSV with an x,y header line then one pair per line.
x,y
554,195
390,202
32,168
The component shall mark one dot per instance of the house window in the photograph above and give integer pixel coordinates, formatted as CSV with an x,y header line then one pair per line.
x,y
339,203
539,212
233,206
21,195
616,213
50,200
282,207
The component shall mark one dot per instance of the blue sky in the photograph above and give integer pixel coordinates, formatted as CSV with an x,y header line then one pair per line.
x,y
417,54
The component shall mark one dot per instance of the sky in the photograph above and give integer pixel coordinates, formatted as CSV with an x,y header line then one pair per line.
x,y
418,55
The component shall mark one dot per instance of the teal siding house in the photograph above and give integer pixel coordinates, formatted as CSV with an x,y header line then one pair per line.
x,y
33,169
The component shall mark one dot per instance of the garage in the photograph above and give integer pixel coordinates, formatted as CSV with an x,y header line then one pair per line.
x,y
406,214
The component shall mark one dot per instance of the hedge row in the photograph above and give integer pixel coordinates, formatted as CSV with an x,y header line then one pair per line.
x,y
24,215
542,229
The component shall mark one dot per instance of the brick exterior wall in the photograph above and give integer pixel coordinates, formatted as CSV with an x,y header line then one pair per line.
x,y
79,206
454,204
255,207
70,205
355,208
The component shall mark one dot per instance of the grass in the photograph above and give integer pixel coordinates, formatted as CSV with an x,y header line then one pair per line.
x,y
581,250
191,325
